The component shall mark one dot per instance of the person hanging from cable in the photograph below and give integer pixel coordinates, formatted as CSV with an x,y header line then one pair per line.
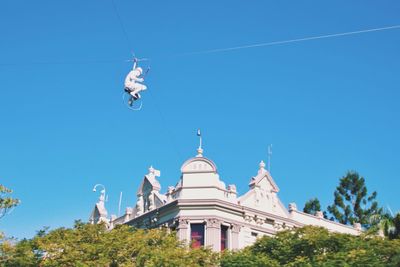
x,y
133,82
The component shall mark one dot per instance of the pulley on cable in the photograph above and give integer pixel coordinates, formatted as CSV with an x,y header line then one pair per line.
x,y
134,85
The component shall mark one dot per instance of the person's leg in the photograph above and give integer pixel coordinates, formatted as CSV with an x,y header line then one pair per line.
x,y
130,101
138,88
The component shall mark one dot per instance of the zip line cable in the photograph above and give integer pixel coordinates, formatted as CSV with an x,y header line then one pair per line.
x,y
165,126
122,25
66,62
210,51
219,50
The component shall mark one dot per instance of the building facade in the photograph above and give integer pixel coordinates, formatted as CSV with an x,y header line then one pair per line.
x,y
205,212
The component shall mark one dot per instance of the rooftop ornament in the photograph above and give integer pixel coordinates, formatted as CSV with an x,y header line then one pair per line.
x,y
199,150
102,197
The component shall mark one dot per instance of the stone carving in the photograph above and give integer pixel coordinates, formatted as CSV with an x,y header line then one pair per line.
x,y
248,218
278,226
235,228
319,214
128,211
183,223
258,220
213,223
292,207
232,188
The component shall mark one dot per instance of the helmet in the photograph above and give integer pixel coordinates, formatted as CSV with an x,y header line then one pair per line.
x,y
139,69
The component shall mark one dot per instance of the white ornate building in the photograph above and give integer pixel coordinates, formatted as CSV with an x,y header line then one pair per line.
x,y
203,210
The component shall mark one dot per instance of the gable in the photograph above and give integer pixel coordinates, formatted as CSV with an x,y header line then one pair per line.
x,y
264,180
148,184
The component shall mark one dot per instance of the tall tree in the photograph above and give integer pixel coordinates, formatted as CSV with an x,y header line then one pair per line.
x,y
6,203
312,206
352,203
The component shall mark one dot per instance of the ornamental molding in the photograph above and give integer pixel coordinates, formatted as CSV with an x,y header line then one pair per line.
x,y
213,223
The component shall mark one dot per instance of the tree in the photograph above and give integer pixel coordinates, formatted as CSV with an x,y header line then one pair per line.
x,y
6,203
94,245
312,206
246,258
396,227
351,203
316,246
391,226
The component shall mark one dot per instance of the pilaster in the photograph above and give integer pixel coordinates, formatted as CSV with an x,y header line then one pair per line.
x,y
213,234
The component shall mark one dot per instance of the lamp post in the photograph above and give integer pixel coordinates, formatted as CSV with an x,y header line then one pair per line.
x,y
102,192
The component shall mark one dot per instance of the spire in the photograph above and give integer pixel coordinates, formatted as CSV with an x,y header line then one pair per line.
x,y
199,150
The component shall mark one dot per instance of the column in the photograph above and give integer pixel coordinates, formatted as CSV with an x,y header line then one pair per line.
x,y
235,229
213,234
182,229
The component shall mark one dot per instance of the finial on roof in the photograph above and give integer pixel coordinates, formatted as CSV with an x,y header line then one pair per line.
x,y
262,165
199,150
151,170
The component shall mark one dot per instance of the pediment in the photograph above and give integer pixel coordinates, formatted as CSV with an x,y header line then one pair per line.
x,y
98,212
199,165
148,184
264,180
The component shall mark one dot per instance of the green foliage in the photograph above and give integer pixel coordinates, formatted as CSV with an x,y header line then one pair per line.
x,y
390,226
93,245
22,253
312,206
246,258
6,203
314,246
396,227
351,204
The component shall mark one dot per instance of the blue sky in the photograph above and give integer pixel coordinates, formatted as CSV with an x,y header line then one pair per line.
x,y
327,106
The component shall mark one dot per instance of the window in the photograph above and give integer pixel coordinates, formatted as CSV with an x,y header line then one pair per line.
x,y
224,237
197,234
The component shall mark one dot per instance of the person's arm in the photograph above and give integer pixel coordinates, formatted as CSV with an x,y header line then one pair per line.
x,y
137,79
134,63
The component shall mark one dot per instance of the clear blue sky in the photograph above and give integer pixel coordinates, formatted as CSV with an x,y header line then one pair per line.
x,y
327,106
